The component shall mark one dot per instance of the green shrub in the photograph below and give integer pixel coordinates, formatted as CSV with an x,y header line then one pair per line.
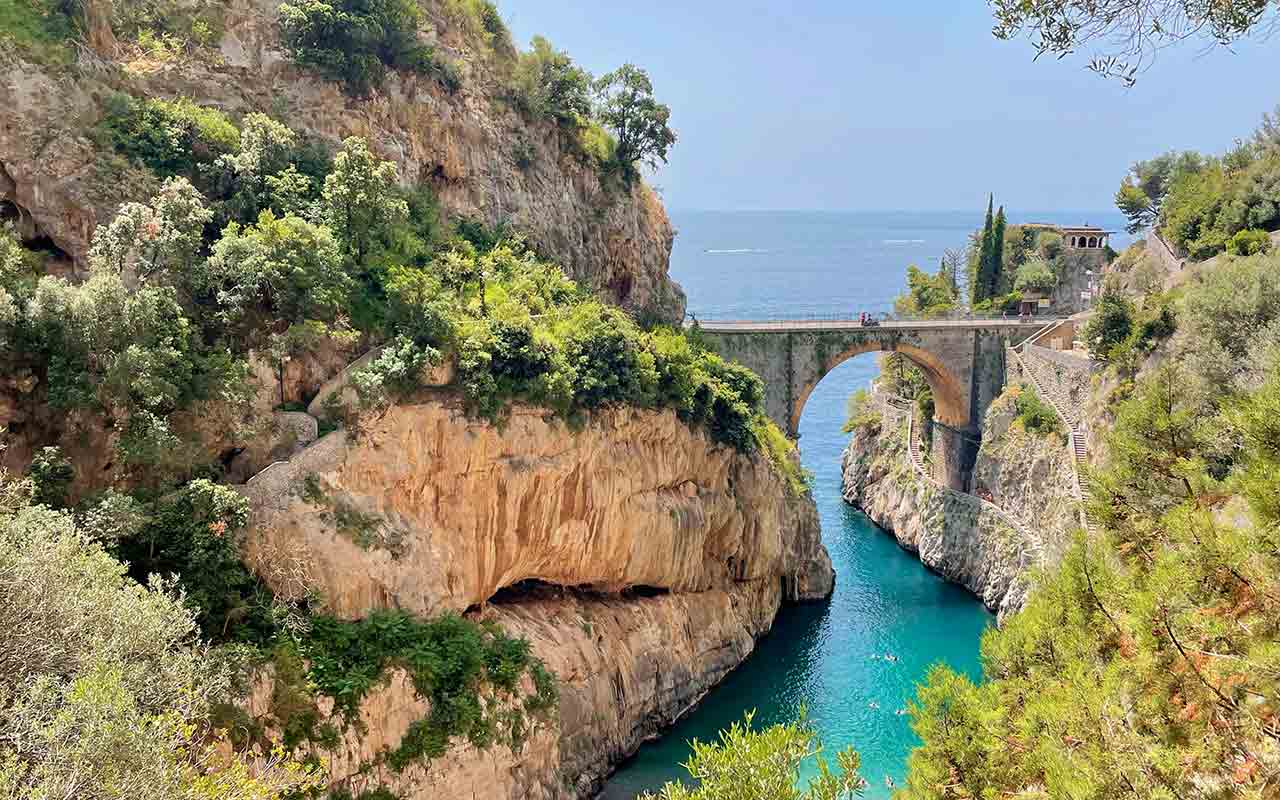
x,y
482,21
1111,323
751,764
1156,322
1035,274
525,154
547,83
782,452
1230,309
1035,414
171,138
51,476
860,411
609,362
396,372
195,534
42,29
1249,242
1049,244
357,41
458,665
597,145
105,681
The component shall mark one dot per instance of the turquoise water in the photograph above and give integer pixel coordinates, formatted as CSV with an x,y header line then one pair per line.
x,y
820,656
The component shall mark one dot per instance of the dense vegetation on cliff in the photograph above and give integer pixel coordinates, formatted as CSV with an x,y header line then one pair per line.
x,y
1003,262
1145,665
1203,204
168,320
261,245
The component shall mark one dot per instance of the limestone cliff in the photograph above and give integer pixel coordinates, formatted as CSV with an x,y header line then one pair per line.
x,y
626,667
483,160
1027,476
639,559
448,510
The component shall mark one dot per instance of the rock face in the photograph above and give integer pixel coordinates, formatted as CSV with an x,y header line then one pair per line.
x,y
430,512
953,533
1028,476
682,552
483,160
626,667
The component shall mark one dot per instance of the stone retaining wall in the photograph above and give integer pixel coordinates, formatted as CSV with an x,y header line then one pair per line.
x,y
1065,376
1161,249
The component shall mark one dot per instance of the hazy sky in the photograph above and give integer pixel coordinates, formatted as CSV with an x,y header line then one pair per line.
x,y
867,104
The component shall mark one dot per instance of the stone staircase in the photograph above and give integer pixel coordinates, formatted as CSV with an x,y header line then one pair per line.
x,y
913,443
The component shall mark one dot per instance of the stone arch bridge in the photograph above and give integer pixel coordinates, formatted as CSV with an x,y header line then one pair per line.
x,y
963,361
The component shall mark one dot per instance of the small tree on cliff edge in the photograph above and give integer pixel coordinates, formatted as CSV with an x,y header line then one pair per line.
x,y
638,121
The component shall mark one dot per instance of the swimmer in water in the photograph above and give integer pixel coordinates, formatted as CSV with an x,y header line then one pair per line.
x,y
888,781
873,704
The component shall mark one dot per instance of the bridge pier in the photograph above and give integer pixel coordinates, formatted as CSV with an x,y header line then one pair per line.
x,y
953,454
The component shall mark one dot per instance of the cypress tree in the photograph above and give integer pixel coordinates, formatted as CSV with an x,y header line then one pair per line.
x,y
997,253
982,283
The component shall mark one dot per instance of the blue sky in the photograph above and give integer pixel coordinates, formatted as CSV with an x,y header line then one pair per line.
x,y
864,104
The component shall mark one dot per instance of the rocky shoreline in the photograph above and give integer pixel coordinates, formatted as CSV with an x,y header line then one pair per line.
x,y
955,534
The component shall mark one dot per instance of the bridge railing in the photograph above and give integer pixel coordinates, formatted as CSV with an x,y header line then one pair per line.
x,y
853,316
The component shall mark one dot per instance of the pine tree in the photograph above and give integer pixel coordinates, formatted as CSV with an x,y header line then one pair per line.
x,y
997,253
981,290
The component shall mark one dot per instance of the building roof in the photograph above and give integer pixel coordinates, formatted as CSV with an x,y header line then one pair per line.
x,y
1064,228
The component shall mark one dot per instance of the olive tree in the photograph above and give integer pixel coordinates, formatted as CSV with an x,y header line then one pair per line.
x,y
1130,31
361,198
161,238
288,266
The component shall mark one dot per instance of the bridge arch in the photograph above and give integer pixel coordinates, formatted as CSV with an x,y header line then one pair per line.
x,y
963,360
950,391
